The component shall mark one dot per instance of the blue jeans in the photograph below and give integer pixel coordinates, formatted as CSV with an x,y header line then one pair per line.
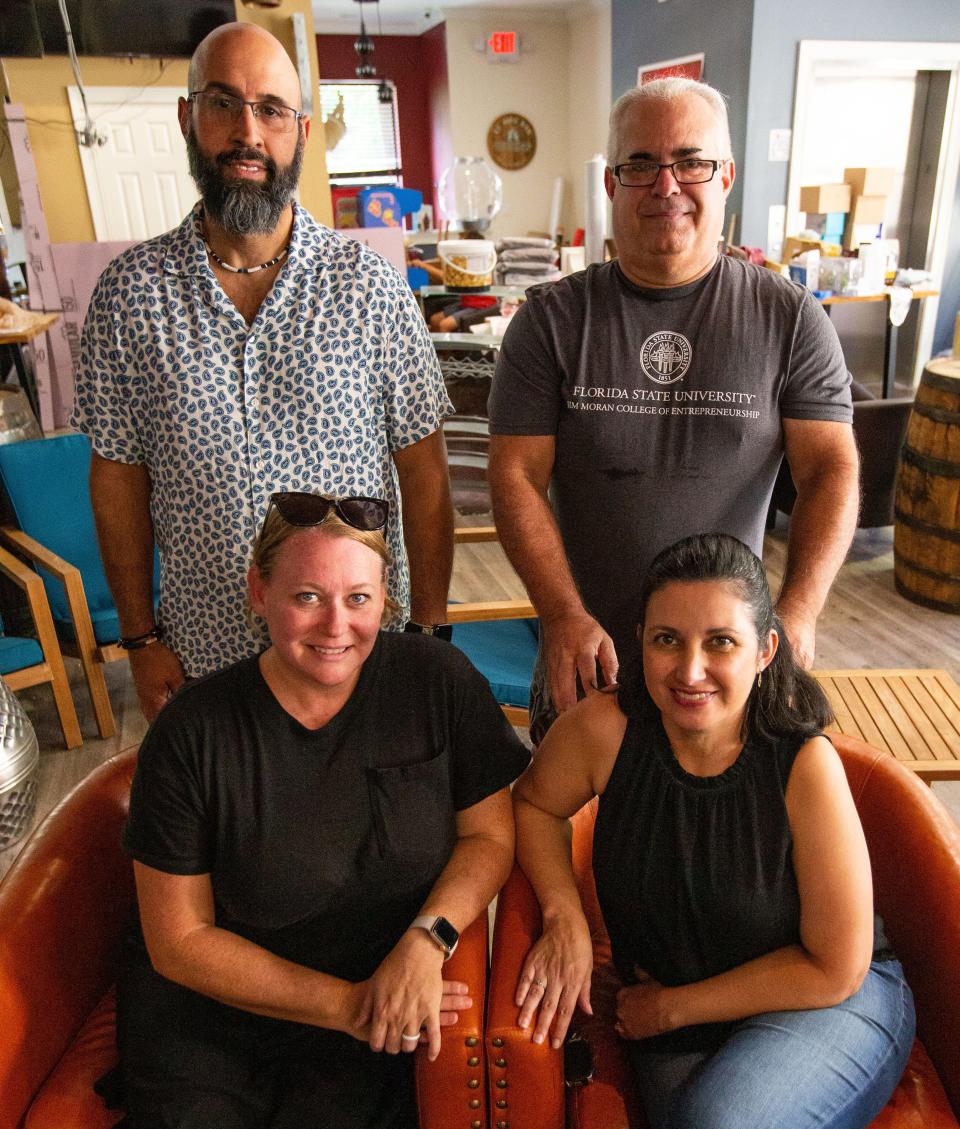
x,y
831,1067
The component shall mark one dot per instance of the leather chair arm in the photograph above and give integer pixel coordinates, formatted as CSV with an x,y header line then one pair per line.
x,y
64,906
611,1099
451,1090
526,1076
915,857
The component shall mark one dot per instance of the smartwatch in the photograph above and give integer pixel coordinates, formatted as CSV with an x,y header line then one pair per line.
x,y
441,630
443,934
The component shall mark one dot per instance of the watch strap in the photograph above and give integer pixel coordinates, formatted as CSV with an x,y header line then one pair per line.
x,y
443,934
440,630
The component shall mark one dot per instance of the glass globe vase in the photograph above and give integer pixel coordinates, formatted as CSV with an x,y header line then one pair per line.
x,y
470,193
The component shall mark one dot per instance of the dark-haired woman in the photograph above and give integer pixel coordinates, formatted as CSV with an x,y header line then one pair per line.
x,y
730,866
311,828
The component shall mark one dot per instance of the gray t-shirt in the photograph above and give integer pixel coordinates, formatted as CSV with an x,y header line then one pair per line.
x,y
666,406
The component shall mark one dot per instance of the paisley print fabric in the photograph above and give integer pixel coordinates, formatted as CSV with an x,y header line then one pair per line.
x,y
336,372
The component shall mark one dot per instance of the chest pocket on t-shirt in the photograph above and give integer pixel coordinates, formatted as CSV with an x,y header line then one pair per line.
x,y
413,815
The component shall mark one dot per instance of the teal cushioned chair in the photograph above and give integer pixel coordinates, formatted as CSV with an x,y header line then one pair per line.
x,y
499,637
17,652
504,652
29,662
47,483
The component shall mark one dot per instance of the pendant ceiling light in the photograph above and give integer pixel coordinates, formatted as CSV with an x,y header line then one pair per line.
x,y
363,45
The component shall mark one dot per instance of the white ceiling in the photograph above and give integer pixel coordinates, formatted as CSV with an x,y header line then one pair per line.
x,y
406,17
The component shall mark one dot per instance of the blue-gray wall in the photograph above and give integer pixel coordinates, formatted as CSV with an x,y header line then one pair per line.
x,y
645,32
751,51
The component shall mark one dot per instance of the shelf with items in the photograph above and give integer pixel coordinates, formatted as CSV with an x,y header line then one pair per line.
x,y
466,342
514,292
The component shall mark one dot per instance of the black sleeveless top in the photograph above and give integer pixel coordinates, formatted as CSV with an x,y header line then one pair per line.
x,y
694,874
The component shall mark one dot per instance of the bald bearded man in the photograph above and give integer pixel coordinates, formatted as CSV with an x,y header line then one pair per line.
x,y
247,351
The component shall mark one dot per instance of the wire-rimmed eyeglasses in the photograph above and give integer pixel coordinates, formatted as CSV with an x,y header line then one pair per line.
x,y
644,174
223,108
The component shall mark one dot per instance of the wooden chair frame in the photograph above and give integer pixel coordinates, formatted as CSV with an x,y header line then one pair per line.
x,y
51,669
484,610
93,655
90,653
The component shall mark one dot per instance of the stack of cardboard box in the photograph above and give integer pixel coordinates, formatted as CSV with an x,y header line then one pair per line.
x,y
869,189
827,207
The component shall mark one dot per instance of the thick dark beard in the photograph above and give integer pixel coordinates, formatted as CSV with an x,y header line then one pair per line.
x,y
244,208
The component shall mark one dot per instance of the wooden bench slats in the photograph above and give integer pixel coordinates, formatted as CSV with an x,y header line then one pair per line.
x,y
913,714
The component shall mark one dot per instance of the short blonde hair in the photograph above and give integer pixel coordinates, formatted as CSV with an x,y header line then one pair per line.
x,y
276,530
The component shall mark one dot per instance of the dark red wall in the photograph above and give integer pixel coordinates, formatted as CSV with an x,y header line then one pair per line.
x,y
417,65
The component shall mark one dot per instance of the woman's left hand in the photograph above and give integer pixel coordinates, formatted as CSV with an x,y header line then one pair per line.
x,y
641,1009
406,994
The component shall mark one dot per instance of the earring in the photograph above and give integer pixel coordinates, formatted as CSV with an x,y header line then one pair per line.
x,y
759,678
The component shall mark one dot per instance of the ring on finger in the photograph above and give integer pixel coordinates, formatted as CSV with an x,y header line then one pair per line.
x,y
540,982
410,1038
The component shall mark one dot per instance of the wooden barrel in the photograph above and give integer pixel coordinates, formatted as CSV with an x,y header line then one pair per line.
x,y
926,535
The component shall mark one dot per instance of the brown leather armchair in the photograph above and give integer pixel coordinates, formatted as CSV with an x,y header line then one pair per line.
x,y
64,907
915,853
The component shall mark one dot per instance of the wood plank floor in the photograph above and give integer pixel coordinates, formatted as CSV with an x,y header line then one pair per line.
x,y
866,624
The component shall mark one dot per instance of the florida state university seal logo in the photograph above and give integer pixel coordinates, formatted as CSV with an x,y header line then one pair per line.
x,y
665,356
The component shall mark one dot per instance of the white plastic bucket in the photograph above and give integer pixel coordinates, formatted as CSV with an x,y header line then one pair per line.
x,y
467,263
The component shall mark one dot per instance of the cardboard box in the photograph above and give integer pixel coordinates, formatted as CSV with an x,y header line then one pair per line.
x,y
862,223
794,246
868,209
825,198
870,181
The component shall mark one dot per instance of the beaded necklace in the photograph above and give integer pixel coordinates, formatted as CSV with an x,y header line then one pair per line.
x,y
238,270
246,270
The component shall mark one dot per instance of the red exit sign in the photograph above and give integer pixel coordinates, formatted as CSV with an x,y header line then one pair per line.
x,y
503,45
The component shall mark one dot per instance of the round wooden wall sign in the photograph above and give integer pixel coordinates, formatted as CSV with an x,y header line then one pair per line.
x,y
512,141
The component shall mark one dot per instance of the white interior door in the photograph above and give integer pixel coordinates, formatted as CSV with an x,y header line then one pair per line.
x,y
138,182
855,104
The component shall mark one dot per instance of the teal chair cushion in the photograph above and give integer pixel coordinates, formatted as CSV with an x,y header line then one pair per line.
x,y
16,653
504,651
47,482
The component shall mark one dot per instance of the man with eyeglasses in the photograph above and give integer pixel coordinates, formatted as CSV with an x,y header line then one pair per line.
x,y
652,397
247,351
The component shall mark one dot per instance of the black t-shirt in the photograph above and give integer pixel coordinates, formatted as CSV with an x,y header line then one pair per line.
x,y
322,844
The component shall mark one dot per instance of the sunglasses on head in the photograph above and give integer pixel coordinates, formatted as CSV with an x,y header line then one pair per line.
x,y
298,508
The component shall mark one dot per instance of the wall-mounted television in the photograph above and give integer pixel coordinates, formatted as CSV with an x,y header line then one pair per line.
x,y
153,28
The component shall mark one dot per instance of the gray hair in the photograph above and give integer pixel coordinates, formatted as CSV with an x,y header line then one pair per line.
x,y
665,90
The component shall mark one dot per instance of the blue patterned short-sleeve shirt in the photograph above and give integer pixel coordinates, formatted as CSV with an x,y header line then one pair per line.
x,y
336,373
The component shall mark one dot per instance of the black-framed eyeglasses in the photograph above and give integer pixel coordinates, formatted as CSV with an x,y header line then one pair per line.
x,y
300,508
225,109
644,174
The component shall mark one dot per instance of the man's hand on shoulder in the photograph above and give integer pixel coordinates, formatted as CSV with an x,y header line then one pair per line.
x,y
157,673
573,644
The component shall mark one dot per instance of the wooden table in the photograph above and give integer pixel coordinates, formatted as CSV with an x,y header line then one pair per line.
x,y
913,714
17,339
891,333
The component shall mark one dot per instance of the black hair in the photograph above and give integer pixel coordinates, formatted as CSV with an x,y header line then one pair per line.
x,y
788,701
